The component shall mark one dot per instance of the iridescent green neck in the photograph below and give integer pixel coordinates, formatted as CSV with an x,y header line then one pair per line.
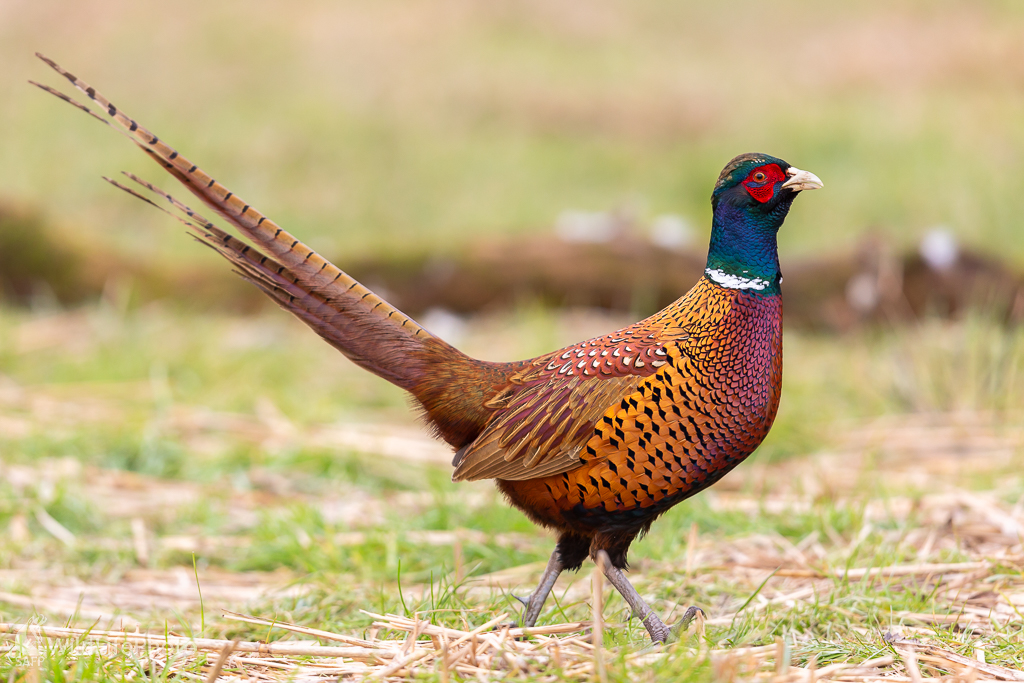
x,y
744,252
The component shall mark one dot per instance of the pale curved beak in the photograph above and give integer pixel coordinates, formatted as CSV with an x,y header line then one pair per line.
x,y
801,180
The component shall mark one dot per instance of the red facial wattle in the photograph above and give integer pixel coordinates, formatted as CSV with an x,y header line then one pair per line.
x,y
764,189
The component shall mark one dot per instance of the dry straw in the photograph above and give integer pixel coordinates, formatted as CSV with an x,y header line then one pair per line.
x,y
982,594
492,651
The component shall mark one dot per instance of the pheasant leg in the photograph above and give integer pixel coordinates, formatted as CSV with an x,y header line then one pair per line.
x,y
535,602
651,621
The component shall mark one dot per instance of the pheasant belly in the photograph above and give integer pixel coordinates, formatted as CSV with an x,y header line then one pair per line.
x,y
682,430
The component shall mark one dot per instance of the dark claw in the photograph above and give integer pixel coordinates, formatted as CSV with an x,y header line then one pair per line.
x,y
525,601
688,617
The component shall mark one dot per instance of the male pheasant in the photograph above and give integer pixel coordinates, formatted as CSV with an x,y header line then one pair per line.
x,y
595,440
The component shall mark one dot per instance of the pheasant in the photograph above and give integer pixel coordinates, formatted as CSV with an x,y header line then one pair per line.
x,y
595,440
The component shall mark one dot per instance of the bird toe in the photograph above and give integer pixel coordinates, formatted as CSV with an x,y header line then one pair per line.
x,y
692,614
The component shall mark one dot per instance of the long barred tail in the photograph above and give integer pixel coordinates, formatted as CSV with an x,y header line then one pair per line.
x,y
364,327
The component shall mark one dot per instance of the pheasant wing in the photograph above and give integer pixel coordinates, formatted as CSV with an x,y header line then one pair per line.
x,y
548,412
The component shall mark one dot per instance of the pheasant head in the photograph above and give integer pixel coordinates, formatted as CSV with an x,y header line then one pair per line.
x,y
750,202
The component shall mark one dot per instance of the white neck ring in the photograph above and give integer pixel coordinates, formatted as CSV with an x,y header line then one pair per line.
x,y
731,281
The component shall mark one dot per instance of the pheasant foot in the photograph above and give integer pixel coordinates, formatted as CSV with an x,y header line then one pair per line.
x,y
659,632
689,615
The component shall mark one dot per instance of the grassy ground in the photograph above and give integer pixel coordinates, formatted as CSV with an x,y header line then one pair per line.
x,y
308,495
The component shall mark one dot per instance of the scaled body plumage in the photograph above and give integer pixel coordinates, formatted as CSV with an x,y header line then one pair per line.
x,y
679,429
595,440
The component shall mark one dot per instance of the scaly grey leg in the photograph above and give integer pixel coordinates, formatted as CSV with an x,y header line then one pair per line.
x,y
651,621
535,602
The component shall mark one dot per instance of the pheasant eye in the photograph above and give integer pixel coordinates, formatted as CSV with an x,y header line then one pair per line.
x,y
759,177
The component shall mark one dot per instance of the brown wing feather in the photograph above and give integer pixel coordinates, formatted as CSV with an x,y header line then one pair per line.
x,y
549,412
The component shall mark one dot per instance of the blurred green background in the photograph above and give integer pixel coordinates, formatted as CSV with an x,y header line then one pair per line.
x,y
418,125
393,127
374,129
